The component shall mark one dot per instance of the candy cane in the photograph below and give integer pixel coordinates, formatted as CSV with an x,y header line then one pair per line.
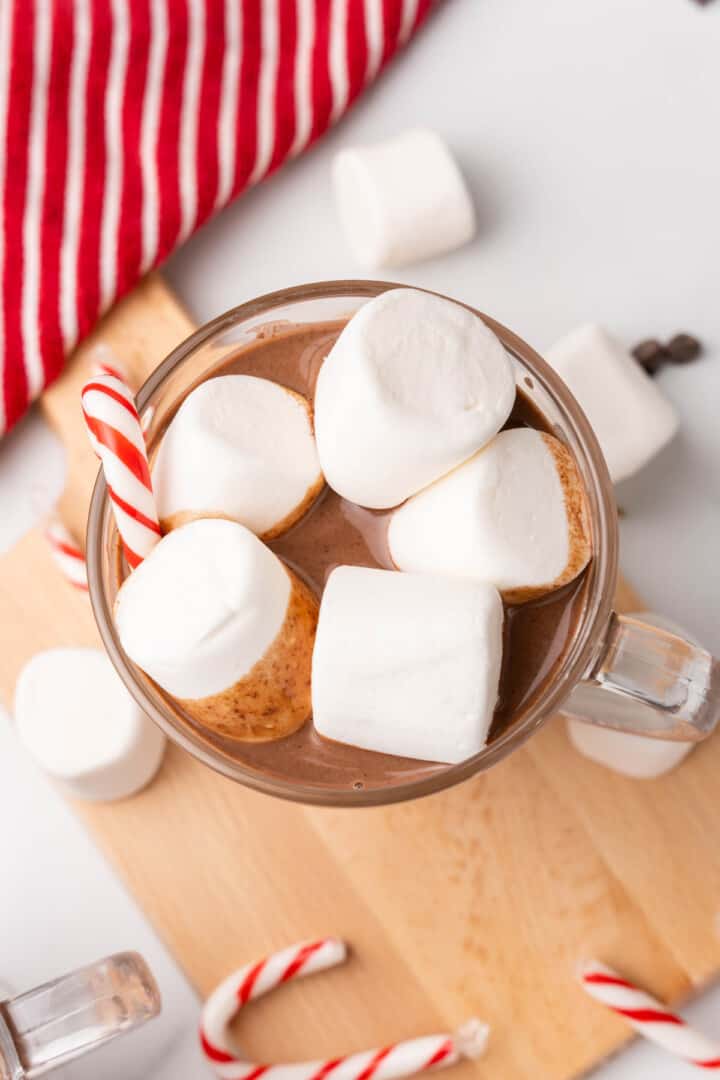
x,y
104,362
649,1016
388,1063
67,555
116,435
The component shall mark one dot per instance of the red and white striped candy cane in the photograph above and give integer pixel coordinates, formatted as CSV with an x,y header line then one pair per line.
x,y
103,361
649,1016
387,1063
67,555
117,438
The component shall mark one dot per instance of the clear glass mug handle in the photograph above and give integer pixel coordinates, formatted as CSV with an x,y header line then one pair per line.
x,y
649,681
59,1021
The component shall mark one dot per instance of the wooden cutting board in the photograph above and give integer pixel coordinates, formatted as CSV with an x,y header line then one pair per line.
x,y
477,901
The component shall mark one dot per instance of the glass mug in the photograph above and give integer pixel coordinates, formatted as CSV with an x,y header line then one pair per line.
x,y
65,1018
617,671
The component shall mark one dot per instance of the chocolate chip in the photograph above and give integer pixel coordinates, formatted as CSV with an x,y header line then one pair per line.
x,y
651,355
683,348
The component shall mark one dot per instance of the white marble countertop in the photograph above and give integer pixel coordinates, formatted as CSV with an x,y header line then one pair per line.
x,y
588,135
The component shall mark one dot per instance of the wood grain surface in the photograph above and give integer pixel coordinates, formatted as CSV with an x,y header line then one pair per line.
x,y
477,901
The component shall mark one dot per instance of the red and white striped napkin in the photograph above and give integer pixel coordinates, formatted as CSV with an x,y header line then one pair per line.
x,y
125,124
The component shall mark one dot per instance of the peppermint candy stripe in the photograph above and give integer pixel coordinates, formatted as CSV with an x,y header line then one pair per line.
x,y
388,1063
105,362
114,429
97,390
67,555
649,1017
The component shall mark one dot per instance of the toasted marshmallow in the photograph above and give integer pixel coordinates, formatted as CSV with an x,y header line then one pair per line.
x,y
78,721
406,664
241,448
631,418
402,199
217,620
636,756
414,385
514,514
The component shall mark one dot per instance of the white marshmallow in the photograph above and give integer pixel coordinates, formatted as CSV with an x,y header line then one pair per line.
x,y
414,385
406,664
631,755
402,199
631,418
239,447
78,721
504,516
203,608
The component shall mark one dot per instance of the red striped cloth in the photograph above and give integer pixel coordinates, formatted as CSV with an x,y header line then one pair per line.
x,y
125,124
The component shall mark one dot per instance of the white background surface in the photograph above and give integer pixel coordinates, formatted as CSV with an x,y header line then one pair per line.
x,y
588,133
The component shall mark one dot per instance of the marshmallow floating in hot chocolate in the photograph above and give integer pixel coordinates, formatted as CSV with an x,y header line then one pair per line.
x,y
402,200
78,721
407,664
414,385
241,448
514,515
217,620
631,418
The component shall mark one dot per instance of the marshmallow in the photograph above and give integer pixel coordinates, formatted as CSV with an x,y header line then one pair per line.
x,y
630,755
414,385
407,664
631,418
76,718
636,756
217,620
241,448
514,514
402,200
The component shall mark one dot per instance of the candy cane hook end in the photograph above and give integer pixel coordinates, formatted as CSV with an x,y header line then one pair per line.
x,y
338,949
103,361
116,436
471,1038
586,966
391,1062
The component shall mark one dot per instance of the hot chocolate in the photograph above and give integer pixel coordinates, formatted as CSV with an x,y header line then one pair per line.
x,y
335,531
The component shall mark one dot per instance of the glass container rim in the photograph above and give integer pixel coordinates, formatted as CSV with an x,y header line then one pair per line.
x,y
576,662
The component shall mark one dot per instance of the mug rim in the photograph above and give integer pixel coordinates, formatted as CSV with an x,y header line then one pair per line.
x,y
576,662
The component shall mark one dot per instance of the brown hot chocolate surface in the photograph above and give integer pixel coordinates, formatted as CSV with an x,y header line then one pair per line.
x,y
335,532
